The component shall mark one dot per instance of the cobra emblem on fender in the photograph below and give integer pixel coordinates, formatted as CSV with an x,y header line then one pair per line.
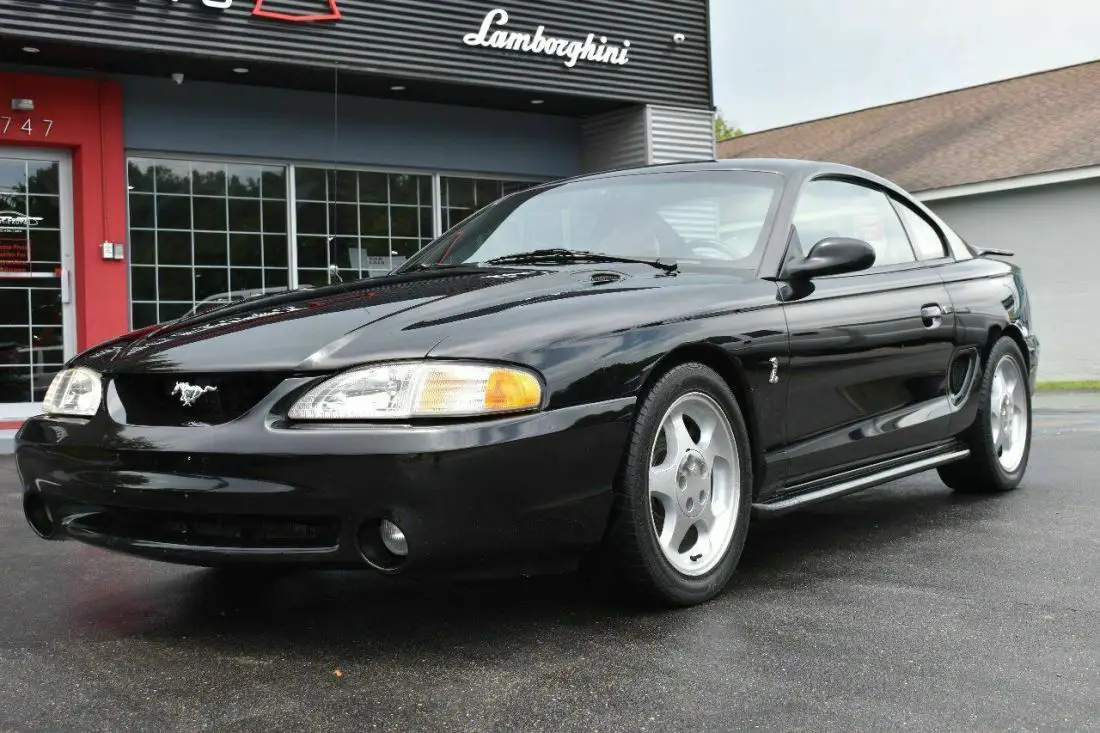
x,y
190,392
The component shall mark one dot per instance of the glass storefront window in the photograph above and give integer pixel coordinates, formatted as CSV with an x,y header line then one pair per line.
x,y
361,223
460,197
203,230
216,230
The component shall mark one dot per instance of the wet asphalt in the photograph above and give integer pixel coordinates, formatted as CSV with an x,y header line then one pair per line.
x,y
905,607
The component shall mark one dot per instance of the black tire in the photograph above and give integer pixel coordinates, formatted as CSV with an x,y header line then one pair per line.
x,y
629,557
982,472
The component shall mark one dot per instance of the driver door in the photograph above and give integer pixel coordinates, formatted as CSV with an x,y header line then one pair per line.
x,y
870,350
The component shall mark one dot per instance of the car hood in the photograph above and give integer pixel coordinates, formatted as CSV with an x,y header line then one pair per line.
x,y
393,317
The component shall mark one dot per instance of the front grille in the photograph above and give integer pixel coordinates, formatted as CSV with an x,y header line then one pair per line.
x,y
217,530
155,399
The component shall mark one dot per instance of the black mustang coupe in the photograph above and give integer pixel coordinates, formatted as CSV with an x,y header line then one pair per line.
x,y
618,370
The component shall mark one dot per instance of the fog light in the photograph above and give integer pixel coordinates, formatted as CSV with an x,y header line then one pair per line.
x,y
394,539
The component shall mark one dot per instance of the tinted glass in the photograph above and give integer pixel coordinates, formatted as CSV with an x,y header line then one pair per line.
x,y
461,197
31,331
839,209
926,241
200,229
706,218
358,222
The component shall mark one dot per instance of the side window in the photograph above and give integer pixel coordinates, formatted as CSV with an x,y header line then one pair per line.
x,y
840,209
925,240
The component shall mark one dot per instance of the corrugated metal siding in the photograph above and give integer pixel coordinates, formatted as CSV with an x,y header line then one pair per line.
x,y
614,140
409,38
679,134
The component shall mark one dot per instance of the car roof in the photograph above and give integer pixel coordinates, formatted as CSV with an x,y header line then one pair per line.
x,y
768,165
788,167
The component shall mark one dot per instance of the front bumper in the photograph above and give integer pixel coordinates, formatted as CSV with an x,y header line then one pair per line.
x,y
502,492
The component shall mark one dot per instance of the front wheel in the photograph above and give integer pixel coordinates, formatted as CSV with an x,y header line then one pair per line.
x,y
684,495
1000,438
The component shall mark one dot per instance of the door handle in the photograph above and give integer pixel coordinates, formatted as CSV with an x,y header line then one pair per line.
x,y
932,315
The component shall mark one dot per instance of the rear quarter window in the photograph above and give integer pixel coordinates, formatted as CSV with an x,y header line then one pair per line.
x,y
926,241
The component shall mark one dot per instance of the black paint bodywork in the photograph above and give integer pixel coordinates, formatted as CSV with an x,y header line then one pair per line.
x,y
836,375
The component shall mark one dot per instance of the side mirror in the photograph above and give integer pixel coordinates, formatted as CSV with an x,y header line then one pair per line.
x,y
833,256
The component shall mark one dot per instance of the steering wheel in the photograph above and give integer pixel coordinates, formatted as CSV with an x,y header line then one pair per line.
x,y
632,228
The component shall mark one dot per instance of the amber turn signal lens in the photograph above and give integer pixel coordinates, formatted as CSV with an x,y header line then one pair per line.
x,y
510,390
435,388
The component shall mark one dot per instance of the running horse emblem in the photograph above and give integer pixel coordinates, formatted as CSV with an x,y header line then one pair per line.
x,y
190,392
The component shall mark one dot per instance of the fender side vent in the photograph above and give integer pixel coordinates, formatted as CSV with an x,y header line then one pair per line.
x,y
960,377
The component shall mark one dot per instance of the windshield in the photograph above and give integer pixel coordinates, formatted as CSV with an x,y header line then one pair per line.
x,y
715,218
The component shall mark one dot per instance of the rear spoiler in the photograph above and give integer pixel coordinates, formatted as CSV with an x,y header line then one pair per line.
x,y
994,252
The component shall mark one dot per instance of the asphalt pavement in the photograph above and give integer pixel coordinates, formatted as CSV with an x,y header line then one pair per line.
x,y
904,607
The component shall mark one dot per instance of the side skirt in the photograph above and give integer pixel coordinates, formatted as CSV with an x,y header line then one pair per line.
x,y
849,482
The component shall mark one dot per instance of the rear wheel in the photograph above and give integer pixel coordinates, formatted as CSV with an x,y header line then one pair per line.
x,y
1000,438
683,498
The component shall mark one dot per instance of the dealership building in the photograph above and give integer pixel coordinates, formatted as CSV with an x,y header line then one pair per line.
x,y
156,153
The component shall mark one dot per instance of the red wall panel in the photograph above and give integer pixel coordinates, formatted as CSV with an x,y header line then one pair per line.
x,y
87,120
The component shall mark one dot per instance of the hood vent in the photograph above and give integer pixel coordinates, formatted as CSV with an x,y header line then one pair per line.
x,y
605,276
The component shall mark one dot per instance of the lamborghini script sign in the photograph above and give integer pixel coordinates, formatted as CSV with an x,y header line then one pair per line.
x,y
492,35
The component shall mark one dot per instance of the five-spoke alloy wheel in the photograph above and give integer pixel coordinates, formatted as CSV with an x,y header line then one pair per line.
x,y
683,497
1009,423
1000,437
693,484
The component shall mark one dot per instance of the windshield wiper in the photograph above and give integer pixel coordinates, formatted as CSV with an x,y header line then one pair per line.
x,y
433,266
576,255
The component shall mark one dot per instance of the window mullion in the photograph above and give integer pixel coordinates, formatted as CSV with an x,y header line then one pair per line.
x,y
291,227
437,205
